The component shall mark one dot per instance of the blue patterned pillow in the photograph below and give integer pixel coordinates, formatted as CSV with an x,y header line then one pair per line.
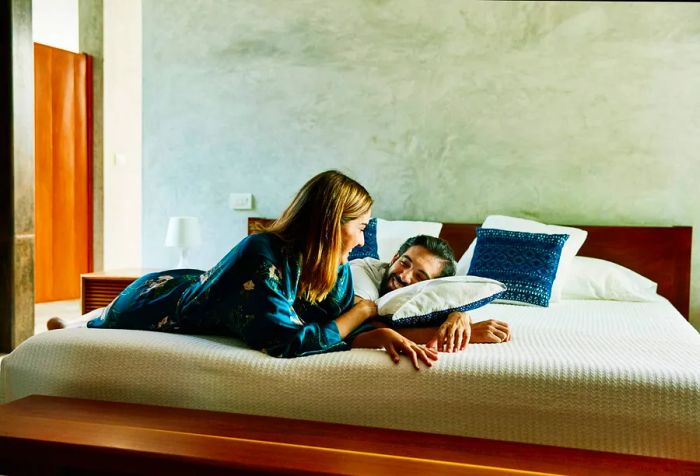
x,y
369,249
525,262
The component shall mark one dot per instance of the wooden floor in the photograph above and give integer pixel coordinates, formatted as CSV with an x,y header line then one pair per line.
x,y
51,435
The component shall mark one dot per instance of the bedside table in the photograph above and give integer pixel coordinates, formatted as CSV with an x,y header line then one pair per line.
x,y
100,288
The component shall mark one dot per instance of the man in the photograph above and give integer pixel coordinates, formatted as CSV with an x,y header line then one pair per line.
x,y
418,259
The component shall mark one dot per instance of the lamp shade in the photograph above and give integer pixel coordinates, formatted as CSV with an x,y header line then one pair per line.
x,y
183,232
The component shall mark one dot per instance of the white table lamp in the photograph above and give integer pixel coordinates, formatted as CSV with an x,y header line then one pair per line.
x,y
183,233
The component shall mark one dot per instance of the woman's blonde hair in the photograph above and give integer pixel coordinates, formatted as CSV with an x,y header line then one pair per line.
x,y
311,224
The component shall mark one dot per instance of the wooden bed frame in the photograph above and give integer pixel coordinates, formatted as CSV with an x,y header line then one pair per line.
x,y
662,254
55,435
84,436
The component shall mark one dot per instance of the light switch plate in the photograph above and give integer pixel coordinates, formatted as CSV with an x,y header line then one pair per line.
x,y
119,159
240,201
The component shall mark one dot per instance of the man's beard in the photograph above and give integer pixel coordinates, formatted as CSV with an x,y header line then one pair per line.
x,y
384,285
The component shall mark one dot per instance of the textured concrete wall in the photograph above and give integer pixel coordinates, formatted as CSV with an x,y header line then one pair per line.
x,y
567,113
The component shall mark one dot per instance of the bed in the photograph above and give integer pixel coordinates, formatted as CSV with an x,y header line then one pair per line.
x,y
598,375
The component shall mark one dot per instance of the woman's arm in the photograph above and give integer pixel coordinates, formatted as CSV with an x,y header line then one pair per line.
x,y
457,331
271,323
452,336
355,316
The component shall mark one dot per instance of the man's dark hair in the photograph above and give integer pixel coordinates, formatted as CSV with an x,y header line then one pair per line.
x,y
438,247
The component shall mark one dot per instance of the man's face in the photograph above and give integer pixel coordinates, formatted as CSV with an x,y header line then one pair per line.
x,y
416,264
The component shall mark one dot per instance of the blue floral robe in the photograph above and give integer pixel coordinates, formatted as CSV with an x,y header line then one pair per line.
x,y
251,294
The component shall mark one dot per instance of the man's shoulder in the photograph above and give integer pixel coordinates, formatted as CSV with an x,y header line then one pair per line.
x,y
367,274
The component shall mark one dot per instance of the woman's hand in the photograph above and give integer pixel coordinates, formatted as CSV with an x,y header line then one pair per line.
x,y
395,344
453,335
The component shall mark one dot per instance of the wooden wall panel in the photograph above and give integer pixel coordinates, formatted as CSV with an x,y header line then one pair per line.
x,y
63,159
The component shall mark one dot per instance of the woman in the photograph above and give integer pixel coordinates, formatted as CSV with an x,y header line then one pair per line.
x,y
286,291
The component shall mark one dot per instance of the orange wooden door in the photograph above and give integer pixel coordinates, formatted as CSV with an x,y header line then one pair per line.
x,y
63,161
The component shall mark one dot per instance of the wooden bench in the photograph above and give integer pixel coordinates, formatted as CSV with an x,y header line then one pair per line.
x,y
52,435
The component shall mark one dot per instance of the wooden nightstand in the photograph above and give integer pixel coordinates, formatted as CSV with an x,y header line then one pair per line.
x,y
100,288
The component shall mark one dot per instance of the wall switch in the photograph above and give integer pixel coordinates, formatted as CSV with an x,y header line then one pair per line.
x,y
240,201
119,159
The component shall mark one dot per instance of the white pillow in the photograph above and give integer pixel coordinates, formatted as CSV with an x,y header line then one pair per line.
x,y
592,278
571,247
429,302
392,234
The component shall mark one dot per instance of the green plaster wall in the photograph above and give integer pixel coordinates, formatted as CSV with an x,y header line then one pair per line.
x,y
579,112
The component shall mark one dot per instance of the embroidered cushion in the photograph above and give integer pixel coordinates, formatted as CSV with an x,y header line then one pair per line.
x,y
428,303
525,262
369,249
576,239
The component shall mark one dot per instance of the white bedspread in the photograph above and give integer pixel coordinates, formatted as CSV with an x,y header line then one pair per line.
x,y
622,377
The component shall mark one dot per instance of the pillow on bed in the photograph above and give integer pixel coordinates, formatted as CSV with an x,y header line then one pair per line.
x,y
428,303
593,278
369,249
391,234
571,247
525,262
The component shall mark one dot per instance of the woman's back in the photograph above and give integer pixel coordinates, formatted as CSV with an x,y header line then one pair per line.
x,y
251,293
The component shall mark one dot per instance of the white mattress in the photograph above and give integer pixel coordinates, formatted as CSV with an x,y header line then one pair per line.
x,y
622,377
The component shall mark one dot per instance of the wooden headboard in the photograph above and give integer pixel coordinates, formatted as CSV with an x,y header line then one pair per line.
x,y
662,254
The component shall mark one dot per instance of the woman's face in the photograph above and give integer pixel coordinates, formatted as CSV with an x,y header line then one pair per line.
x,y
353,235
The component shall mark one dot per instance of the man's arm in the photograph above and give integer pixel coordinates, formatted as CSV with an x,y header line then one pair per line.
x,y
452,333
455,333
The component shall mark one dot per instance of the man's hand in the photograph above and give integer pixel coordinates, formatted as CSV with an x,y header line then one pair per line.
x,y
453,335
490,332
